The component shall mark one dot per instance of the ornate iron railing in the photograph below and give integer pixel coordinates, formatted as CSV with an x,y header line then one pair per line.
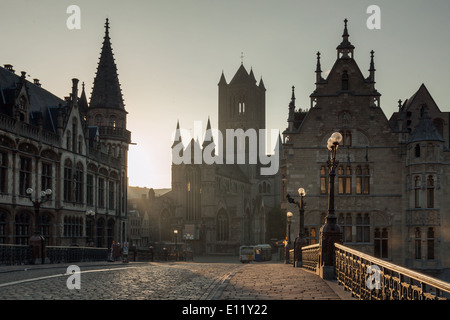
x,y
310,257
369,278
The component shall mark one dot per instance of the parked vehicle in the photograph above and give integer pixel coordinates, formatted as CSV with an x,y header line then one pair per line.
x,y
246,254
264,251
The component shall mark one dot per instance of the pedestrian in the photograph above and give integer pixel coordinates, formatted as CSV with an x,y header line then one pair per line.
x,y
125,252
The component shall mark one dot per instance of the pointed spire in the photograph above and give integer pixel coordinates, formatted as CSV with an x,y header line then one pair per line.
x,y
261,84
177,139
82,102
222,80
345,47
208,135
291,113
318,69
372,64
106,92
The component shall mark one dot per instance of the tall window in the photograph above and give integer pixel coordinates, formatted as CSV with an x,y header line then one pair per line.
x,y
68,176
74,136
430,244
101,192
46,176
381,243
362,180
3,227
112,192
417,191
193,193
79,181
346,138
22,226
313,236
346,223
45,228
417,150
362,228
222,226
24,175
323,180
345,85
90,189
430,192
418,244
100,232
345,180
3,172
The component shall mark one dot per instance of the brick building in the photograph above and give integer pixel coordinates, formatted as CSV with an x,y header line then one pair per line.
x,y
393,172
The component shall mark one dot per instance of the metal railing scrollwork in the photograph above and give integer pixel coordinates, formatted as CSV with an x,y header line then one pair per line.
x,y
370,278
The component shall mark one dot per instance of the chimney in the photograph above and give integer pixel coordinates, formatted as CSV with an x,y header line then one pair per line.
x,y
9,67
74,90
36,82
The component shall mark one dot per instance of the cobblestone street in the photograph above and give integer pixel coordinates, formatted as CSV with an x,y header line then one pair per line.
x,y
199,280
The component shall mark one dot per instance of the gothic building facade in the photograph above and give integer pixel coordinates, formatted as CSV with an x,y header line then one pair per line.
x,y
221,205
76,149
392,175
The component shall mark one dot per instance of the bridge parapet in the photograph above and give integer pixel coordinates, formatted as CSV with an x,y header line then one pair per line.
x,y
370,278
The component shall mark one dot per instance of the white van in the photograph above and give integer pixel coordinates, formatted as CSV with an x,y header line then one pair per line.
x,y
246,253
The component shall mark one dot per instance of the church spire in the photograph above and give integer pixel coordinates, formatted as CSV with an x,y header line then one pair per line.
x,y
318,69
345,48
106,92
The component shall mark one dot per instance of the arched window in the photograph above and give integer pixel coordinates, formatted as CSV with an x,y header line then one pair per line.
x,y
345,180
193,195
45,228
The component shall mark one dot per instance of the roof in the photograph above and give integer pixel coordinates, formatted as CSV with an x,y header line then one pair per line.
x,y
42,102
106,92
425,129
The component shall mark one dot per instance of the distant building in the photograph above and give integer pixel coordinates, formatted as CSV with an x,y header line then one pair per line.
x,y
220,207
75,148
392,175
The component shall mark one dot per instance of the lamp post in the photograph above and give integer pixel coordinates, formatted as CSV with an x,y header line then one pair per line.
x,y
37,241
175,232
288,237
330,232
300,241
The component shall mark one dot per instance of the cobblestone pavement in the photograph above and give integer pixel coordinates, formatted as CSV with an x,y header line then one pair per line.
x,y
199,280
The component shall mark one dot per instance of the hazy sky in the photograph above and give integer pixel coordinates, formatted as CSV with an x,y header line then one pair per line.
x,y
170,55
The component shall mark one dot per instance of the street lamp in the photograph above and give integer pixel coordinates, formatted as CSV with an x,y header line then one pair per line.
x,y
175,232
37,241
288,237
300,241
330,232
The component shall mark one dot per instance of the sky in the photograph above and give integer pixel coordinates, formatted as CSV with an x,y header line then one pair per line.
x,y
170,55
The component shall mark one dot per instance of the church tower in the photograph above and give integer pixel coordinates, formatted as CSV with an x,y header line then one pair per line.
x,y
107,116
242,105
